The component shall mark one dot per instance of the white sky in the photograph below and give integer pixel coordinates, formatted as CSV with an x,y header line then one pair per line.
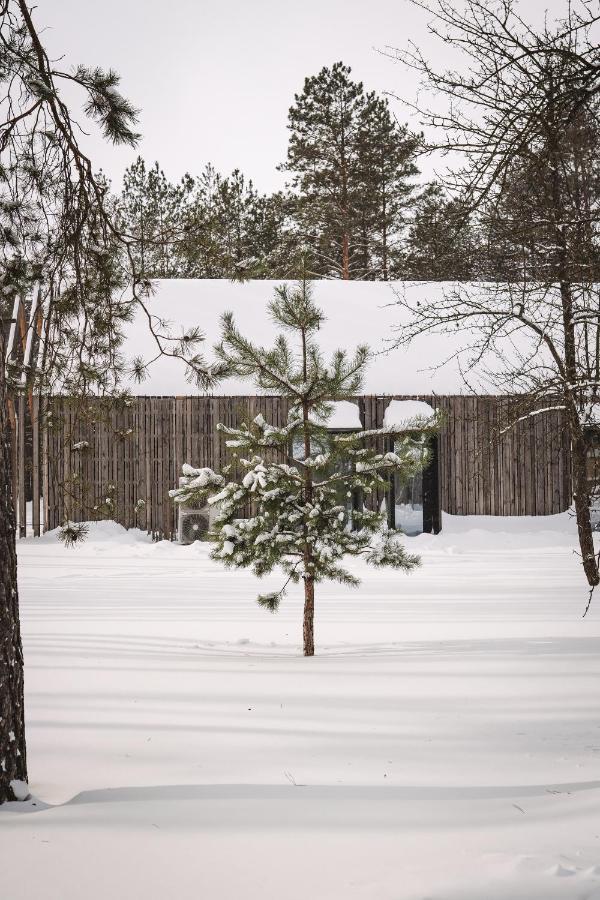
x,y
215,78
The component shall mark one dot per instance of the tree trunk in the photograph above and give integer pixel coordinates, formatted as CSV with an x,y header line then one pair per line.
x,y
13,764
581,501
345,256
309,617
573,394
384,234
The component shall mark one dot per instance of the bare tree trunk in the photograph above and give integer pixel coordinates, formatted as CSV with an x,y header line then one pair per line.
x,y
309,617
13,763
581,501
581,488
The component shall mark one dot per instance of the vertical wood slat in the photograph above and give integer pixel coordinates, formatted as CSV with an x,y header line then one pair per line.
x,y
44,467
49,504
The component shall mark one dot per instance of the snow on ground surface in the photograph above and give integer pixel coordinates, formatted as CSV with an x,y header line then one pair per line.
x,y
443,744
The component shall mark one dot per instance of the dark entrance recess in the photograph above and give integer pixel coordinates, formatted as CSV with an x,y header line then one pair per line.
x,y
413,504
592,437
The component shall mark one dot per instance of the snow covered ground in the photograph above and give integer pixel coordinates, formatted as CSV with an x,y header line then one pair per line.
x,y
443,744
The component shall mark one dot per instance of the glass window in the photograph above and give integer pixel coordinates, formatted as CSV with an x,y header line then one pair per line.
x,y
408,502
408,512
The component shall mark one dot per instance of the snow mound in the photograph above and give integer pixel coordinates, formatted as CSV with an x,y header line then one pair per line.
x,y
104,531
402,413
20,789
344,415
483,533
561,523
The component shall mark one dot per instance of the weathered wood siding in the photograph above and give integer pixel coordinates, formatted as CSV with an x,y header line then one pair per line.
x,y
139,450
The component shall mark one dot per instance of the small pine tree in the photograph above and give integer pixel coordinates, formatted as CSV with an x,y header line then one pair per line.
x,y
298,480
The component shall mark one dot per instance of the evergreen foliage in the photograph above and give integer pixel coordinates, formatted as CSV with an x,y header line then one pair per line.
x,y
212,226
351,165
150,212
387,153
442,242
353,170
299,481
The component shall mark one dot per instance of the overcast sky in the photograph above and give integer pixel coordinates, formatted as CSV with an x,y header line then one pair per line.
x,y
214,79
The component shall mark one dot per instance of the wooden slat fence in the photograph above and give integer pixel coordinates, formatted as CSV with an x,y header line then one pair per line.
x,y
120,462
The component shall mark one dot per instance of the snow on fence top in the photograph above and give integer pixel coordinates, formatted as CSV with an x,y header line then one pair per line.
x,y
402,413
345,416
356,313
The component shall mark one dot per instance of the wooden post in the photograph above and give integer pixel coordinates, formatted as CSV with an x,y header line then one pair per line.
x,y
45,469
21,492
14,449
35,464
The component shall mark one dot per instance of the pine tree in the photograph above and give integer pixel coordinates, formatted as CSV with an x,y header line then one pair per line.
x,y
323,155
387,165
519,244
60,233
56,229
298,479
230,230
351,166
152,212
441,243
200,251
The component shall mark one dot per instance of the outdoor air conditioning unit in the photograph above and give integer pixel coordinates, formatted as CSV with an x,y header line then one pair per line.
x,y
192,524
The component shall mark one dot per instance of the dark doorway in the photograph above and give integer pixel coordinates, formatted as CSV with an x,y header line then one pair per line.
x,y
413,503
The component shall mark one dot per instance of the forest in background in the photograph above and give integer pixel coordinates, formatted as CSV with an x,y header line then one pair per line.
x,y
354,205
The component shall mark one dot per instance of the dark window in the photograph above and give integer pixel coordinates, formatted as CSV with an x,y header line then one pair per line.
x,y
592,435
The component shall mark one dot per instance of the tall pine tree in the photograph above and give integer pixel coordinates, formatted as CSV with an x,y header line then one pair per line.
x,y
351,166
323,157
387,171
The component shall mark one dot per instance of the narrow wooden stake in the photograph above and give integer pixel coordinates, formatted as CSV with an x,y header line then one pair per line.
x,y
35,463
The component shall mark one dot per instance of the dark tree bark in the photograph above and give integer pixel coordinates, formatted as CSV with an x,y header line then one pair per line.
x,y
13,760
308,632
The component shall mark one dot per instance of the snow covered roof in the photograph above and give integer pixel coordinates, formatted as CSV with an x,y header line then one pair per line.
x,y
403,413
356,312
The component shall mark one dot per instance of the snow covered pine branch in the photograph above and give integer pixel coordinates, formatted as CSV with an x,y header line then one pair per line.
x,y
303,484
